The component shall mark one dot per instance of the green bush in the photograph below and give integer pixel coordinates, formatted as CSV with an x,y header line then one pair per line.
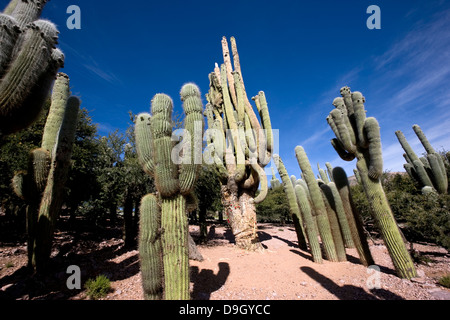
x,y
421,217
274,208
98,288
445,281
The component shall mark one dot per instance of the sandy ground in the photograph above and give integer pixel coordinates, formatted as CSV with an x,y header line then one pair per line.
x,y
280,271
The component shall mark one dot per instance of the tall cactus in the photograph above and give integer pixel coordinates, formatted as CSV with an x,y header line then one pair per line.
x,y
429,171
29,62
289,190
240,145
359,137
318,205
43,184
163,242
353,218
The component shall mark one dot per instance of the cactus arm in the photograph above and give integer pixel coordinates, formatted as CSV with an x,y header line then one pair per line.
x,y
193,108
405,145
144,142
423,139
166,171
439,175
26,11
344,134
360,117
240,106
9,34
33,62
341,151
228,70
10,7
150,248
346,94
264,188
265,120
60,95
372,133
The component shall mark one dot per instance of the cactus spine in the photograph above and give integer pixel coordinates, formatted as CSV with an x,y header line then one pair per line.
x,y
163,242
240,145
359,137
429,171
29,62
43,184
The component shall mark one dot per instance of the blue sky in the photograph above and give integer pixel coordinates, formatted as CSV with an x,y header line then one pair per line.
x,y
300,53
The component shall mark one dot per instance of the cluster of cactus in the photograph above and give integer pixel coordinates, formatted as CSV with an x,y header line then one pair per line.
x,y
42,185
239,145
325,209
358,136
29,62
164,236
428,172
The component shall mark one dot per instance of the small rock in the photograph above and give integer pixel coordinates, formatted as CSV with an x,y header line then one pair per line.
x,y
418,280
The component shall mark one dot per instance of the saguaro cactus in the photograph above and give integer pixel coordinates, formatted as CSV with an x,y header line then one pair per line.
x,y
43,184
239,145
163,243
29,62
318,205
289,190
359,137
429,171
353,218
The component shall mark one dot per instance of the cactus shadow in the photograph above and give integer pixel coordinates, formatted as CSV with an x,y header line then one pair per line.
x,y
349,292
206,282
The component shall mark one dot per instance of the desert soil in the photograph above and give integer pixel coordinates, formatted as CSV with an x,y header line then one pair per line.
x,y
280,271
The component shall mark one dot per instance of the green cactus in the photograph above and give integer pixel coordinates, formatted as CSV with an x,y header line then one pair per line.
x,y
43,183
52,197
355,223
331,208
318,205
359,137
427,171
274,182
240,145
289,190
150,251
310,225
164,254
29,63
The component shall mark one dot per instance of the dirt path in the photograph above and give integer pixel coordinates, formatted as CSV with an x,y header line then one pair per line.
x,y
281,271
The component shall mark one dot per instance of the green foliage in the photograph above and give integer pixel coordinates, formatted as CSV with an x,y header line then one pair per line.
x,y
421,217
274,208
98,288
445,281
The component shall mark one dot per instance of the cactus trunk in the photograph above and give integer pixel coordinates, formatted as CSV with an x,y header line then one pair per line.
x,y
385,220
353,217
175,248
